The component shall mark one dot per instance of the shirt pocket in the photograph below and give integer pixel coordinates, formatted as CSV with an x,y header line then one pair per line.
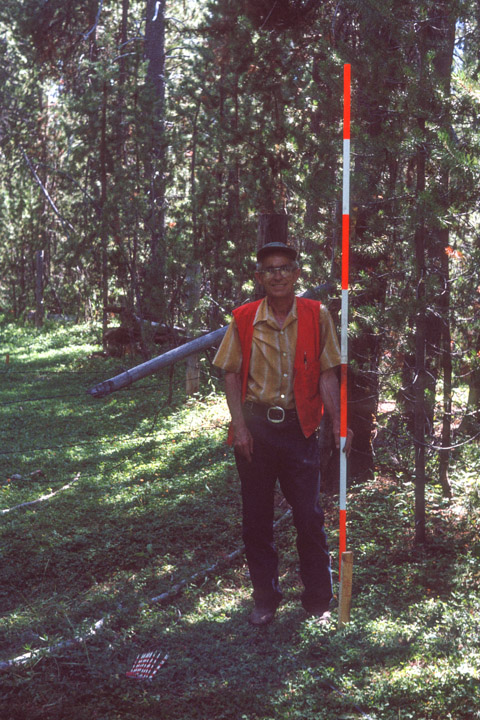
x,y
308,379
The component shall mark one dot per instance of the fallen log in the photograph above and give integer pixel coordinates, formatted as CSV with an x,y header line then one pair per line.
x,y
171,357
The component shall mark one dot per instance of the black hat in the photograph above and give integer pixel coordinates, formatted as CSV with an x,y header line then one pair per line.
x,y
276,247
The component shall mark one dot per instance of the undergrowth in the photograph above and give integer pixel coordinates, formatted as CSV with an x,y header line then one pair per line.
x,y
144,495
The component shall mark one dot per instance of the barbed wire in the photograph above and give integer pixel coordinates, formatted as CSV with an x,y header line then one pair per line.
x,y
80,443
14,371
145,437
91,475
83,394
43,373
101,441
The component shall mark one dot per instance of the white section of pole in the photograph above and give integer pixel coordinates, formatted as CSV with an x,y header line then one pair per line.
x,y
346,177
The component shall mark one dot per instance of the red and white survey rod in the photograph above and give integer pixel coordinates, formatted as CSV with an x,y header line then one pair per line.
x,y
344,319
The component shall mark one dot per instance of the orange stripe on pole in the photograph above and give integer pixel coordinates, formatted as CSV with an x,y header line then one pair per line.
x,y
346,101
343,534
345,250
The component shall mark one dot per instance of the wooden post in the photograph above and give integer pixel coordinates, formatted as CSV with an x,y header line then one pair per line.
x,y
192,377
345,597
192,282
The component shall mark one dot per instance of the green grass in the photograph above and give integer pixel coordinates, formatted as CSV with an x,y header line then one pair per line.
x,y
156,500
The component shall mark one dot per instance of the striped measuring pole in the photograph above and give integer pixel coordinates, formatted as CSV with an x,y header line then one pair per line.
x,y
344,322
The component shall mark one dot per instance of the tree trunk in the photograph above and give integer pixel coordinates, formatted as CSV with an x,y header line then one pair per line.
x,y
447,374
443,40
102,172
272,227
193,276
40,256
103,221
39,307
122,70
471,419
420,338
14,298
156,161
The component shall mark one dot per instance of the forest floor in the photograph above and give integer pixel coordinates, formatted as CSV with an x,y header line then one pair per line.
x,y
130,495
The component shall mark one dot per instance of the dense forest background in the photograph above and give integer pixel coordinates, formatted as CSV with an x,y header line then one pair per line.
x,y
140,142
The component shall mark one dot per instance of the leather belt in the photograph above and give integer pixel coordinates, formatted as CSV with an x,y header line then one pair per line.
x,y
273,413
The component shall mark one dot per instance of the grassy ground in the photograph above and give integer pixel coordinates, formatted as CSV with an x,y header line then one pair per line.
x,y
146,496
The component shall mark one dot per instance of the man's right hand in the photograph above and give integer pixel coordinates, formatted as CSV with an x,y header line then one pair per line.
x,y
243,442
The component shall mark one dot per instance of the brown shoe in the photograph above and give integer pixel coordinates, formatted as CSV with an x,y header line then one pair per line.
x,y
261,616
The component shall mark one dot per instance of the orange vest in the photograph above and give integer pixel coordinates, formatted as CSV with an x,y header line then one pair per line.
x,y
306,383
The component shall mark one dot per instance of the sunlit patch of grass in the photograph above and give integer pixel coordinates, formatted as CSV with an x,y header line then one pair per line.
x,y
156,503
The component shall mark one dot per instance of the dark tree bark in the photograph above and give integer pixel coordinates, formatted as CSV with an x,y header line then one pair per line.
x,y
39,306
103,219
193,276
272,227
447,376
155,162
443,40
420,339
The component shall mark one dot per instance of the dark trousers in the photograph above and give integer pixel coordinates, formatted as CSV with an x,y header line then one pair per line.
x,y
282,452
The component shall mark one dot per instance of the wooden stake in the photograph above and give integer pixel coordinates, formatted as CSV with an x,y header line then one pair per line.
x,y
345,589
192,377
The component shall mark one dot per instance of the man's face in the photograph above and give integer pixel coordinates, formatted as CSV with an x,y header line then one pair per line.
x,y
278,284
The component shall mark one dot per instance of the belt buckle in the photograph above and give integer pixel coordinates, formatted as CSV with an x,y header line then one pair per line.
x,y
276,408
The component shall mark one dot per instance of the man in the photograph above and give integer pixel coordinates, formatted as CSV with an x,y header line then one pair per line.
x,y
279,356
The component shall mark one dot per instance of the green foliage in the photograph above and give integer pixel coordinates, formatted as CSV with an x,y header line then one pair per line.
x,y
251,123
156,501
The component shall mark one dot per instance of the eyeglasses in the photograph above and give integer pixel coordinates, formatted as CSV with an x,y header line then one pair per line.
x,y
284,270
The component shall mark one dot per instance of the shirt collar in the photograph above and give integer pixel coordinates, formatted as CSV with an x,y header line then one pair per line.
x,y
264,314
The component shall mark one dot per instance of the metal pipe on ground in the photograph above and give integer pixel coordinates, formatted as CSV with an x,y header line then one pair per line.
x,y
171,357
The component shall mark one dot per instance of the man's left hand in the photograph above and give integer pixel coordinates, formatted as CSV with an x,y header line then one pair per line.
x,y
348,440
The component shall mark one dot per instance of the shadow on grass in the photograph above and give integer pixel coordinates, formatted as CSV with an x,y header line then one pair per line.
x,y
218,668
109,540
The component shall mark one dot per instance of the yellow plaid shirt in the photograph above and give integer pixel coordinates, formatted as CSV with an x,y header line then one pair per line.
x,y
270,378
